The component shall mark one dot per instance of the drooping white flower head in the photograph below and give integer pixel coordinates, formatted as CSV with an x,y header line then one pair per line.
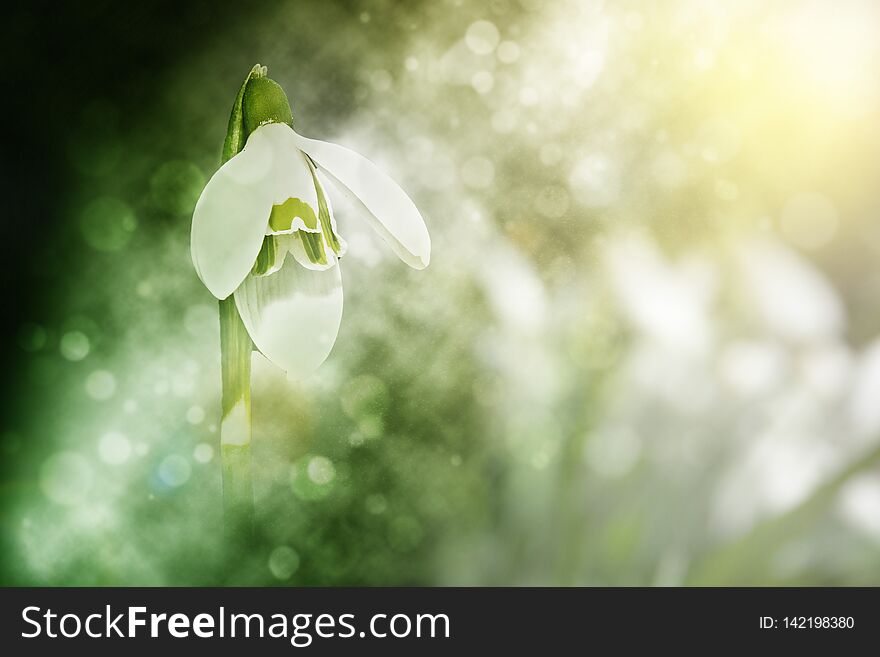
x,y
263,229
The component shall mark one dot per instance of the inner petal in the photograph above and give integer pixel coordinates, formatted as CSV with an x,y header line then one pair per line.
x,y
308,250
294,228
292,215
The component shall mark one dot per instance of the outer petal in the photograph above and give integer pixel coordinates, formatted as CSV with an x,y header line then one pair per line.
x,y
293,315
291,176
390,211
231,216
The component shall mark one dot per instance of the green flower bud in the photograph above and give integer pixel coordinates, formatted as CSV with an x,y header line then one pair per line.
x,y
264,102
259,101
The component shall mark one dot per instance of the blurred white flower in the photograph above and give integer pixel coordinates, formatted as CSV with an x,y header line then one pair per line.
x,y
858,503
864,411
666,302
789,294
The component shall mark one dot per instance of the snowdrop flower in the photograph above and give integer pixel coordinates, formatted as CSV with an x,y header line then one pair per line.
x,y
263,229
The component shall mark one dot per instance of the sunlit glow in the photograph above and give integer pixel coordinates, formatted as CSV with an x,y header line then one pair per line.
x,y
834,47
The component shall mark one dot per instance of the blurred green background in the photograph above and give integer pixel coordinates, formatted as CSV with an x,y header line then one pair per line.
x,y
645,352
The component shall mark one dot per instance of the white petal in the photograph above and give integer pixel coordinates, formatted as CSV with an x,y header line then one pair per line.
x,y
232,214
390,211
291,175
230,219
293,315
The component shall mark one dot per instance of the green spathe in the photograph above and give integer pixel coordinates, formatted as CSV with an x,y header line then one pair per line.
x,y
235,133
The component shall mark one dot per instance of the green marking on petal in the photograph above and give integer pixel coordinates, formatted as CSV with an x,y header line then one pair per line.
x,y
324,215
266,259
314,247
283,215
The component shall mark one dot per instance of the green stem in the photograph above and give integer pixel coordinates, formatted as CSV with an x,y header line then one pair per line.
x,y
235,424
235,370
